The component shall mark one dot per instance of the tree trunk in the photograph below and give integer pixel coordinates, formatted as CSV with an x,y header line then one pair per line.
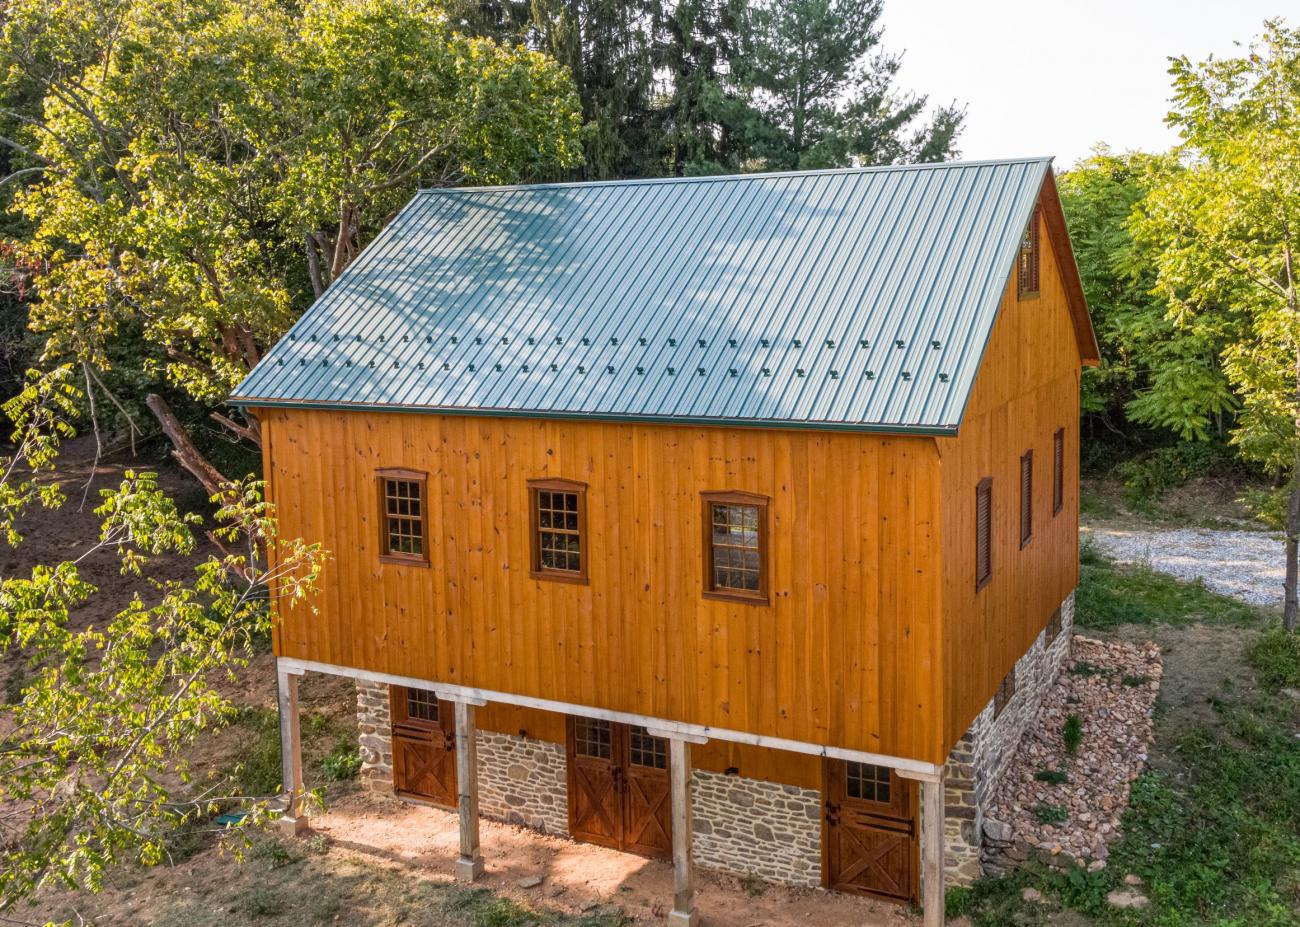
x,y
1290,604
184,450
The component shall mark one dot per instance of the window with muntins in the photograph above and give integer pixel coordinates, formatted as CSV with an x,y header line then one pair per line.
x,y
735,546
867,782
421,705
645,749
559,527
593,737
983,532
1058,471
1054,625
1026,498
1027,260
403,536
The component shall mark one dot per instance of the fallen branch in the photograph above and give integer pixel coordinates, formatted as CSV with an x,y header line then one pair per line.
x,y
183,448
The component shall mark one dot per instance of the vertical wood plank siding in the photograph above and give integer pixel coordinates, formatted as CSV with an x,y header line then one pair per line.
x,y
1027,388
847,653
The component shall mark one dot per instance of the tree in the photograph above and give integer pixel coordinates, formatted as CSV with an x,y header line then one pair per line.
x,y
206,167
826,90
1152,371
1228,230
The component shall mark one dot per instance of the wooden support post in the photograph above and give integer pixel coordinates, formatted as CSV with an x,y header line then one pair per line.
x,y
932,851
294,820
683,913
469,866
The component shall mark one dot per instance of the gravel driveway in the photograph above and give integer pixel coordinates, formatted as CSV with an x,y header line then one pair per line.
x,y
1246,565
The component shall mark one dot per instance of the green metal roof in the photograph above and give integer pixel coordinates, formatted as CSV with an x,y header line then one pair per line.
x,y
826,299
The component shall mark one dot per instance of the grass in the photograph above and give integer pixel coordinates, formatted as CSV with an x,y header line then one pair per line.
x,y
1050,814
1276,657
1052,776
1112,594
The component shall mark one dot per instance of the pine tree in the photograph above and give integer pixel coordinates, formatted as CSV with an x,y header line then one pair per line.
x,y
826,90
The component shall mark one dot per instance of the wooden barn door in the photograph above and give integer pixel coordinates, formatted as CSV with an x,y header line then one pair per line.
x,y
870,831
618,787
424,746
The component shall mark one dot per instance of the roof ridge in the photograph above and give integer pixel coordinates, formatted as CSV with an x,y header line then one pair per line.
x,y
752,175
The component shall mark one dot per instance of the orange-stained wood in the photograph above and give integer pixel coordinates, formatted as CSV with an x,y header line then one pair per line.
x,y
875,637
1027,389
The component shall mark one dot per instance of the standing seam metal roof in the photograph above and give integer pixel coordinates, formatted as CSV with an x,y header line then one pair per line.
x,y
857,298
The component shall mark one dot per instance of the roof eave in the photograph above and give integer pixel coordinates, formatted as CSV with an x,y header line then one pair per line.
x,y
248,402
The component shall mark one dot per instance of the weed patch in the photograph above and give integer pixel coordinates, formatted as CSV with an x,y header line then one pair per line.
x,y
1052,776
1276,657
1072,733
1113,594
1050,814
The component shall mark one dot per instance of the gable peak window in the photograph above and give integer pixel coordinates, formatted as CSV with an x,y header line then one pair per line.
x,y
559,529
1027,260
1026,498
983,532
735,546
404,516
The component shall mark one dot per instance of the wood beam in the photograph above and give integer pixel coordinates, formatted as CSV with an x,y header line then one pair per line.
x,y
683,913
932,836
294,819
469,866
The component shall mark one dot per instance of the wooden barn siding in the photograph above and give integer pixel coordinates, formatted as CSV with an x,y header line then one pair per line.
x,y
847,654
1028,387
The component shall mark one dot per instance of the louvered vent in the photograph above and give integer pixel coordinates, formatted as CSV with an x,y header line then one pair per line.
x,y
983,532
1026,498
1058,471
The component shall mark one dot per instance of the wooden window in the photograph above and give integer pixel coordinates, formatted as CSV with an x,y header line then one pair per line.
x,y
1058,471
1005,691
1026,499
983,532
1053,630
1027,260
735,546
421,705
593,738
559,529
645,749
868,782
404,521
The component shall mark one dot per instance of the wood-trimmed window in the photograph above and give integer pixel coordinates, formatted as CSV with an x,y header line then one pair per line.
x,y
404,516
558,530
983,532
1006,689
735,546
1026,498
1027,260
1058,471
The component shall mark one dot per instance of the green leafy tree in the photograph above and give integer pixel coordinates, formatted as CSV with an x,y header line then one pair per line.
x,y
90,756
1228,227
1153,371
206,167
826,90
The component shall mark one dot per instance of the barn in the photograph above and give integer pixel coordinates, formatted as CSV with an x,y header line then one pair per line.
x,y
732,520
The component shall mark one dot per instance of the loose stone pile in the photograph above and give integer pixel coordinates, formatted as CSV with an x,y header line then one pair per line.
x,y
1111,688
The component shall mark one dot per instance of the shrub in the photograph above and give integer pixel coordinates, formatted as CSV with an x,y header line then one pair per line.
x,y
343,762
1276,657
1049,814
1150,476
258,772
1072,733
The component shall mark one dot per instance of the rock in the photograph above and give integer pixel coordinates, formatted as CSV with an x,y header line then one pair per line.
x,y
996,830
1032,894
1096,865
1132,879
530,881
1292,694
1122,899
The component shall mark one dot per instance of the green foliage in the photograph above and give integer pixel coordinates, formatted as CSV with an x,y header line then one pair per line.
x,y
1113,594
1267,505
1052,776
1149,476
257,771
1049,814
343,762
1072,733
92,744
1276,657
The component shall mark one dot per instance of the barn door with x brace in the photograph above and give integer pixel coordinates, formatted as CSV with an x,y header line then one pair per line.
x,y
870,831
618,787
424,746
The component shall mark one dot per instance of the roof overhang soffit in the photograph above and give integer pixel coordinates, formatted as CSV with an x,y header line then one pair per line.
x,y
1049,200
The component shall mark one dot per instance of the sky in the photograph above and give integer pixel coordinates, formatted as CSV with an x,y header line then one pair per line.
x,y
1045,77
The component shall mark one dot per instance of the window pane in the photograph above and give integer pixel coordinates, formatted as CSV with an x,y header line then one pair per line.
x,y
592,738
558,540
404,513
647,750
868,782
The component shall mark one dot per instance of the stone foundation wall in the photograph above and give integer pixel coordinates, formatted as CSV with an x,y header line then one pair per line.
x,y
979,759
757,828
376,726
523,781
